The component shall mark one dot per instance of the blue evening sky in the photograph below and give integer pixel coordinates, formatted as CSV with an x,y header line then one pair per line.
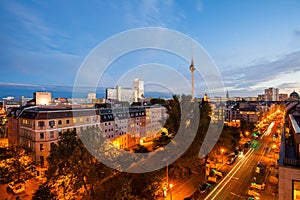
x,y
255,44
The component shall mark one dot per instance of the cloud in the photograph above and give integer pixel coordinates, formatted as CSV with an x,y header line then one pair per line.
x,y
152,13
297,32
30,20
279,72
199,6
17,84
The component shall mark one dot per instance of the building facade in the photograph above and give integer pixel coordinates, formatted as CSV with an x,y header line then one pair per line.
x,y
37,128
242,111
138,85
289,161
121,94
272,94
42,98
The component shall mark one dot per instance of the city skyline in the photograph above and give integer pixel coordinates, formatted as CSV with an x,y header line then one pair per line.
x,y
258,51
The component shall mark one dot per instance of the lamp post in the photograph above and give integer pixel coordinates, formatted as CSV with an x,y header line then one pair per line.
x,y
167,171
222,151
171,186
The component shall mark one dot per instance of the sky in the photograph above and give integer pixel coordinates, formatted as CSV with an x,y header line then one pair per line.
x,y
254,44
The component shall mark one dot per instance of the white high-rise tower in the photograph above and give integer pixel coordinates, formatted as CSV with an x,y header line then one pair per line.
x,y
138,85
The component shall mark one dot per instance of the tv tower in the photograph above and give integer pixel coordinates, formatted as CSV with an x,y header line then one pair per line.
x,y
192,69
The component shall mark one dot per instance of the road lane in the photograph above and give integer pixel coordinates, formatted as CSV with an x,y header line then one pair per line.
x,y
237,182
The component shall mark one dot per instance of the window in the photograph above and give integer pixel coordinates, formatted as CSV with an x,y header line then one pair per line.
x,y
51,123
42,160
67,121
59,133
41,147
296,189
41,135
52,134
59,122
41,124
95,119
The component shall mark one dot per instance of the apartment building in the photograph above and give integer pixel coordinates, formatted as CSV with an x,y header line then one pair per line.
x,y
37,128
289,161
242,111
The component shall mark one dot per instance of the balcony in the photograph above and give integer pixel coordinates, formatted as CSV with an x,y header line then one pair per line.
x,y
291,162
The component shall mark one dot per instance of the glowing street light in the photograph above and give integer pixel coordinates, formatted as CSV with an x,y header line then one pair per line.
x,y
171,186
222,151
247,133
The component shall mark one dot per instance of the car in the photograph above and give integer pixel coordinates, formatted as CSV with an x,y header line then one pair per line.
x,y
16,187
11,185
19,188
231,159
247,144
204,188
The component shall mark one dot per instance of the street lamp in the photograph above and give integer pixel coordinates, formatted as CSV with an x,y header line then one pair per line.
x,y
222,151
246,133
171,186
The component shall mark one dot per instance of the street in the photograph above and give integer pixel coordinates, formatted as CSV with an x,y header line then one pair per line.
x,y
237,182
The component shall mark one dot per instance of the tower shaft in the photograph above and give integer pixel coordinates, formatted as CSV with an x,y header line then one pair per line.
x,y
193,90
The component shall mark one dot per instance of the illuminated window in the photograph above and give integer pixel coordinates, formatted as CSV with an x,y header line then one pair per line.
x,y
41,147
296,189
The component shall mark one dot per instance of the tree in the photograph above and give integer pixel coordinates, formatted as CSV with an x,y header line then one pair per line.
x,y
247,126
161,141
44,192
72,170
158,101
141,149
173,110
17,164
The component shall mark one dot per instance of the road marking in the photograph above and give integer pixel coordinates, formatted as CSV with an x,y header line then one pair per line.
x,y
229,176
237,195
235,178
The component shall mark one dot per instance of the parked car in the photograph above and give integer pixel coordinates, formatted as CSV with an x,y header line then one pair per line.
x,y
19,188
247,144
204,188
16,188
231,159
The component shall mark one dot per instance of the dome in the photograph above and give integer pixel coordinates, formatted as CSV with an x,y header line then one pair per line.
x,y
294,95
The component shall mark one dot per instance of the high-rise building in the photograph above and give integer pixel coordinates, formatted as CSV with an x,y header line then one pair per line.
x,y
42,98
138,85
272,94
121,94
